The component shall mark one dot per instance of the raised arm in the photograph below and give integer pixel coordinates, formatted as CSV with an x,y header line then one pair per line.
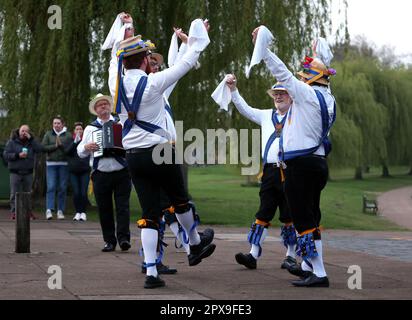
x,y
241,105
164,79
182,50
125,32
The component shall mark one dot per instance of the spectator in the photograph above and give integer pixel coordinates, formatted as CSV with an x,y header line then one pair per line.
x,y
20,154
79,171
57,167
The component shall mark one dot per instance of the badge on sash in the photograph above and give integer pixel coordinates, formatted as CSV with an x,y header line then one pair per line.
x,y
279,127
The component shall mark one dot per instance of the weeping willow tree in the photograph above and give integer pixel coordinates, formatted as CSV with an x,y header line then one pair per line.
x,y
373,94
47,72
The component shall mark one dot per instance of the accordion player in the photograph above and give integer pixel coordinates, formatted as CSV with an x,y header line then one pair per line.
x,y
109,140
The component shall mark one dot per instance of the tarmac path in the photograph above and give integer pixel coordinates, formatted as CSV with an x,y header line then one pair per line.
x,y
89,274
396,205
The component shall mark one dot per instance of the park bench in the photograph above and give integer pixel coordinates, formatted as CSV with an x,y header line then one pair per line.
x,y
369,205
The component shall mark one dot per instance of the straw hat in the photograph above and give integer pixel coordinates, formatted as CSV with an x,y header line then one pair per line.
x,y
134,46
314,70
99,97
277,87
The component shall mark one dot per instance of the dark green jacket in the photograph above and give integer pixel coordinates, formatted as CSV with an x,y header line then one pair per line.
x,y
56,154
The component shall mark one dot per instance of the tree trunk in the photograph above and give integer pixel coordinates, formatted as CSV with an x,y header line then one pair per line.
x,y
358,173
385,171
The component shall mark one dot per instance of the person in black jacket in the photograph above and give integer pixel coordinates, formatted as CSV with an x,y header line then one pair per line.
x,y
79,170
20,153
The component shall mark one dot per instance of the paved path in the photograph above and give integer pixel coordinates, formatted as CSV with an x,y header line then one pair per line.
x,y
89,274
396,205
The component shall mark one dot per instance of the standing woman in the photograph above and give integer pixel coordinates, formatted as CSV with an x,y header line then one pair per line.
x,y
79,171
57,167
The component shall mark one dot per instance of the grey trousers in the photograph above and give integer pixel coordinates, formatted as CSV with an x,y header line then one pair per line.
x,y
19,183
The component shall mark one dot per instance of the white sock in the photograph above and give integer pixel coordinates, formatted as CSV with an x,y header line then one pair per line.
x,y
291,251
318,267
254,251
149,239
187,220
179,236
306,267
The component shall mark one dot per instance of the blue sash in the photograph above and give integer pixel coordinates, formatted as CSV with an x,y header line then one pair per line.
x,y
134,108
274,135
326,126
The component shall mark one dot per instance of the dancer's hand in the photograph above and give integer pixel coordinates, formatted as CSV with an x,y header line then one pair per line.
x,y
231,82
254,35
126,18
182,36
207,24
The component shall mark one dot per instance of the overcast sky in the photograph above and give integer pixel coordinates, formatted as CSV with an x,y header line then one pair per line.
x,y
384,22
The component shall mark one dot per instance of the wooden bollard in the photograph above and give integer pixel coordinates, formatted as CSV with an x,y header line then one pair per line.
x,y
23,222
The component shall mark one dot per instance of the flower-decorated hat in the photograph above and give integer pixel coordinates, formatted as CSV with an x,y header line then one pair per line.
x,y
315,69
134,46
127,48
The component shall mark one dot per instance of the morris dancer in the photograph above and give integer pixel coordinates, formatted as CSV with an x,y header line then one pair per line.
x,y
303,150
271,190
139,97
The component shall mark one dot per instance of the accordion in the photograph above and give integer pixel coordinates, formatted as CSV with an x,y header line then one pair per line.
x,y
109,140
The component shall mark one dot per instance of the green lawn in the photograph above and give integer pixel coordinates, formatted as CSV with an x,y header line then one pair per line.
x,y
221,199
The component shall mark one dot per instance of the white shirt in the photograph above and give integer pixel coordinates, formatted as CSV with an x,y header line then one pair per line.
x,y
264,119
105,164
303,128
170,125
152,107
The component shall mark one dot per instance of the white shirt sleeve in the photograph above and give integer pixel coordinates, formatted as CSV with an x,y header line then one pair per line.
x,y
87,138
299,91
161,81
182,51
245,110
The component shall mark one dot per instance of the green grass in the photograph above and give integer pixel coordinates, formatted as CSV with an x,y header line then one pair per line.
x,y
221,199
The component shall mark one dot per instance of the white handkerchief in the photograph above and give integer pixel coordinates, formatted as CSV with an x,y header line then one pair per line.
x,y
322,51
198,36
263,41
113,33
222,95
173,51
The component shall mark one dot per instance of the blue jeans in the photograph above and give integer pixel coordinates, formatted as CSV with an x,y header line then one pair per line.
x,y
57,177
80,185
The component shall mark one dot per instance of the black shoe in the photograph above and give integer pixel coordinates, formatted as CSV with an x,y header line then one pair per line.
x,y
207,236
200,252
289,263
108,247
247,260
313,281
125,245
298,272
161,269
153,282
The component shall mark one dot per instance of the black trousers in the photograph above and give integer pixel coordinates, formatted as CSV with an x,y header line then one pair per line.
x,y
150,179
106,186
165,202
272,196
306,177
